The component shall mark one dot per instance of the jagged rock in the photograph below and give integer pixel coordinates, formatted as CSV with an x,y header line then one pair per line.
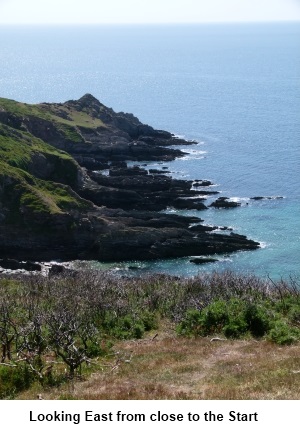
x,y
133,267
59,270
91,163
180,203
266,198
148,244
13,264
128,171
201,228
54,207
119,164
203,260
203,183
157,171
223,202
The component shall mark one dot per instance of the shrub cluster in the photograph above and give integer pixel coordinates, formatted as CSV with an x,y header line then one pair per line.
x,y
236,318
48,325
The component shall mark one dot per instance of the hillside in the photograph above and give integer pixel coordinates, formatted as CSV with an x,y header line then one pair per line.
x,y
95,336
57,200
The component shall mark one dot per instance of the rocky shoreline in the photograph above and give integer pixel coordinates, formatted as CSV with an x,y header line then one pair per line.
x,y
106,210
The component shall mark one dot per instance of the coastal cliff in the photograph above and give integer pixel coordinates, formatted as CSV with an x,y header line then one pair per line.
x,y
67,192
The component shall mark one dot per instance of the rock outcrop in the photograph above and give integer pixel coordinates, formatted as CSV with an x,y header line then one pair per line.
x,y
225,203
67,192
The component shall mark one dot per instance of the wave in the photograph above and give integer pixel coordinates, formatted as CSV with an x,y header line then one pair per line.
x,y
239,199
263,245
195,155
185,137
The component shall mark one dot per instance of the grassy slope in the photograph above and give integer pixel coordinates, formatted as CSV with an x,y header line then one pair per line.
x,y
21,192
18,148
57,113
65,118
175,368
21,186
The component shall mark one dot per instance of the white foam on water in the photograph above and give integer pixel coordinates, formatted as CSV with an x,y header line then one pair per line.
x,y
263,245
239,199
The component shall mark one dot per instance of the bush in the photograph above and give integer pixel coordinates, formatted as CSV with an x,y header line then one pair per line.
x,y
258,319
283,334
125,327
128,326
191,325
234,318
294,314
97,349
235,328
149,320
236,325
215,316
75,317
218,317
14,380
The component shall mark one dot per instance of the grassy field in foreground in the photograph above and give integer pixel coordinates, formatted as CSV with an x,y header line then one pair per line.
x,y
170,367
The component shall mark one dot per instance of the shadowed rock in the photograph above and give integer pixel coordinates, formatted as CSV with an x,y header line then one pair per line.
x,y
53,207
223,202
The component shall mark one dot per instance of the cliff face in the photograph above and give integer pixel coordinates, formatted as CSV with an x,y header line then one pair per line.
x,y
56,203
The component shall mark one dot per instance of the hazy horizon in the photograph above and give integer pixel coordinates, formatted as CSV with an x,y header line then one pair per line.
x,y
137,12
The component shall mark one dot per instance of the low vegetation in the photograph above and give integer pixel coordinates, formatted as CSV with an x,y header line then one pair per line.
x,y
23,151
106,329
23,196
52,112
65,121
35,177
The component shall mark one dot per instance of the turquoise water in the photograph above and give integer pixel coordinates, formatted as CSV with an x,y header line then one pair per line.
x,y
233,88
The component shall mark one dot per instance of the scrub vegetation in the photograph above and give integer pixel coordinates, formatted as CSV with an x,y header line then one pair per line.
x,y
207,337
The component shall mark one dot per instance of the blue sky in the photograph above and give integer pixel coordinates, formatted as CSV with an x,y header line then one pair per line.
x,y
146,11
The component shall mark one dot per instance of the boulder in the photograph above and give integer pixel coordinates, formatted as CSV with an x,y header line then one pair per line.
x,y
203,260
13,264
224,202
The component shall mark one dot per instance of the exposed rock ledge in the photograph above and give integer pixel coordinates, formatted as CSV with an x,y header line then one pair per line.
x,y
53,207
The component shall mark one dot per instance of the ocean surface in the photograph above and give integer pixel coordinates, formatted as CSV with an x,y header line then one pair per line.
x,y
234,89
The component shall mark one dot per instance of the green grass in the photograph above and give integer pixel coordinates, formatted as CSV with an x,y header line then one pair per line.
x,y
74,117
51,112
19,149
23,193
64,118
35,177
23,109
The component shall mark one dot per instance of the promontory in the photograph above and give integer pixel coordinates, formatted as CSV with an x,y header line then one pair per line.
x,y
69,189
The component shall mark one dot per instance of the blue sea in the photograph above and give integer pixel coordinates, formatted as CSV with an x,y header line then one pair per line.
x,y
233,88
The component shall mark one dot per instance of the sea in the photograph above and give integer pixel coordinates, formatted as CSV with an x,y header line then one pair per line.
x,y
234,89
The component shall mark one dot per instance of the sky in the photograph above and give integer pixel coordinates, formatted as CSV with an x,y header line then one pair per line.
x,y
146,11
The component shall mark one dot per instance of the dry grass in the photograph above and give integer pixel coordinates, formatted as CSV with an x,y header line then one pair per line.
x,y
170,367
